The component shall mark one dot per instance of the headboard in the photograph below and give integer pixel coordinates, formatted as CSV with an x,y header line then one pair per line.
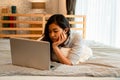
x,y
35,25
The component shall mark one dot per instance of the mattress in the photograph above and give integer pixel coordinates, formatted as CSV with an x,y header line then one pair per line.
x,y
104,63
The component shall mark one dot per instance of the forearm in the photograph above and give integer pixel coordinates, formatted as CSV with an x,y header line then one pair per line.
x,y
60,56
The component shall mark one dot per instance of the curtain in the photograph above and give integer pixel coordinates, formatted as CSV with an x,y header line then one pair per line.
x,y
70,6
102,20
117,38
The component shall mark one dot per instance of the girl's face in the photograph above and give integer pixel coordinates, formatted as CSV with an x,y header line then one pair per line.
x,y
54,32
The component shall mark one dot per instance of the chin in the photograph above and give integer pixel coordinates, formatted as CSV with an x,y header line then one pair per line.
x,y
54,40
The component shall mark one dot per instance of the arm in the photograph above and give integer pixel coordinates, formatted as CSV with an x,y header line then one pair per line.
x,y
58,52
60,56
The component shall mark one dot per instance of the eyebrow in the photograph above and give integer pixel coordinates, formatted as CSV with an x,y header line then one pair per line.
x,y
55,29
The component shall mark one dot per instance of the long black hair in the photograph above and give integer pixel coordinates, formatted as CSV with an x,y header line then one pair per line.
x,y
58,19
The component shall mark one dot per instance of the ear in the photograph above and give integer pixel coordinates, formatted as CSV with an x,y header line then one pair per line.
x,y
66,30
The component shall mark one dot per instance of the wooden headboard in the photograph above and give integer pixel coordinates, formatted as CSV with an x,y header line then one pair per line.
x,y
36,26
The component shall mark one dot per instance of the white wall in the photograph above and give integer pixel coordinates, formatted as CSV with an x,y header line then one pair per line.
x,y
62,6
4,2
56,6
52,6
24,6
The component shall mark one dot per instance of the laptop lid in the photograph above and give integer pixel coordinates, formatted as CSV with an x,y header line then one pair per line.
x,y
30,53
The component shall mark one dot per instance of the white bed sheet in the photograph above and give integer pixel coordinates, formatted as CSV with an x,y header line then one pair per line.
x,y
104,63
55,78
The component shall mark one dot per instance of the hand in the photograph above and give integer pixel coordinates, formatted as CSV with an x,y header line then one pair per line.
x,y
61,39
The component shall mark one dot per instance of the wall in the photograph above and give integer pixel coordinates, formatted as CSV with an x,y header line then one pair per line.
x,y
24,6
3,3
52,6
62,6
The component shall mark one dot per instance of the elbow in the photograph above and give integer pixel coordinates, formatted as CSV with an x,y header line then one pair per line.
x,y
69,63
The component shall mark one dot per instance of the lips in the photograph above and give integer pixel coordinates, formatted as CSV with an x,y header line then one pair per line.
x,y
54,39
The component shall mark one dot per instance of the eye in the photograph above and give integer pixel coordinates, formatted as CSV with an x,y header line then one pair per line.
x,y
56,31
49,31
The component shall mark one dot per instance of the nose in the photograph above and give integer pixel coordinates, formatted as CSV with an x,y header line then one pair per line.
x,y
52,34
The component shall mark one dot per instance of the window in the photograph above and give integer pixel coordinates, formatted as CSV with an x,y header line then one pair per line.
x,y
103,18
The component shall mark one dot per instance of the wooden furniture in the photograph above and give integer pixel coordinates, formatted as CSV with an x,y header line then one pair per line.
x,y
38,5
37,23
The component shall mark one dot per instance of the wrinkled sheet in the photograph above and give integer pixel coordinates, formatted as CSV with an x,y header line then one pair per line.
x,y
104,63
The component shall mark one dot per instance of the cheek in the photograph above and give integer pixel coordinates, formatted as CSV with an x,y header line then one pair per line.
x,y
58,34
54,37
55,34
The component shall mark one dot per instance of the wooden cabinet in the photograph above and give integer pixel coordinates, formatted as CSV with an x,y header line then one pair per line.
x,y
36,32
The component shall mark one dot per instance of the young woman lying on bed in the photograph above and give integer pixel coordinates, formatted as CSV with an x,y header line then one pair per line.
x,y
67,46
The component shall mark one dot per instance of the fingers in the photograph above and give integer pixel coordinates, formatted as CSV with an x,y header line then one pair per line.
x,y
62,37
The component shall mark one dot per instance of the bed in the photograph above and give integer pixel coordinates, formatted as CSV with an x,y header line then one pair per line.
x,y
105,64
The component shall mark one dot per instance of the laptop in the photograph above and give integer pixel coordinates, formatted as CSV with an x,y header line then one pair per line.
x,y
30,53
